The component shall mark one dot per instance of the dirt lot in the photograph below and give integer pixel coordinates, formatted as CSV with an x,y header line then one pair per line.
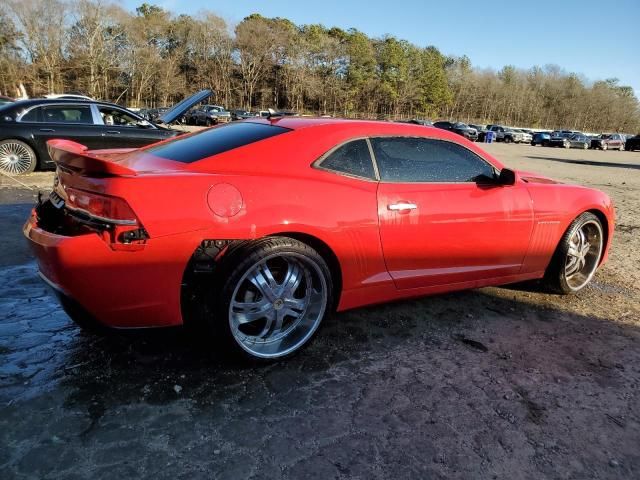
x,y
492,383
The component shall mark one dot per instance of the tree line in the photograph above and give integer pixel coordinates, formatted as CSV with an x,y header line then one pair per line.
x,y
151,57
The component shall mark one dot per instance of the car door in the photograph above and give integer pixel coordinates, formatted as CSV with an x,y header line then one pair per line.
x,y
121,129
616,141
66,121
440,223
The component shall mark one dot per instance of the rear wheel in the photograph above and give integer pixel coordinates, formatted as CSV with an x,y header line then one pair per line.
x,y
567,145
577,256
585,146
16,157
508,139
604,147
621,147
273,300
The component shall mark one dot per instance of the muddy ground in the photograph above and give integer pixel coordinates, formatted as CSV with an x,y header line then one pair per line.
x,y
492,383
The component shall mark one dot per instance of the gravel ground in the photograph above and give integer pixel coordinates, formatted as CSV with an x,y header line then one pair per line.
x,y
491,383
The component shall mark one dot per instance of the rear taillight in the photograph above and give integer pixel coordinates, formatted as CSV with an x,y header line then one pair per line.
x,y
100,207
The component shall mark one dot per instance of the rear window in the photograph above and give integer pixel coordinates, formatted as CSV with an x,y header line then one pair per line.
x,y
215,140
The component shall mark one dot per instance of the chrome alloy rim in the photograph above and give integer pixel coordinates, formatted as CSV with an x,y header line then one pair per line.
x,y
585,248
15,158
278,304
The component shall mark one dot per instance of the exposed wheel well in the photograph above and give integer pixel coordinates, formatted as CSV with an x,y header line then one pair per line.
x,y
199,274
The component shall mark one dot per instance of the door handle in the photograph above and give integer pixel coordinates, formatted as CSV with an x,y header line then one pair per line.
x,y
113,132
47,130
400,206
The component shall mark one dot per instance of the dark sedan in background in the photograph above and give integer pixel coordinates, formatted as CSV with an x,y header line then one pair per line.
x,y
25,127
632,143
460,128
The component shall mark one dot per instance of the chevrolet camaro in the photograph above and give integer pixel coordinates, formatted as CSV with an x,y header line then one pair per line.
x,y
259,229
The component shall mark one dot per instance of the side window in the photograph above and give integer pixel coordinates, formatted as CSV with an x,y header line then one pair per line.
x,y
403,159
67,114
115,116
33,115
352,158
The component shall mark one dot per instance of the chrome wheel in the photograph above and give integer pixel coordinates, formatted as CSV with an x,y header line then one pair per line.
x,y
583,255
278,304
16,157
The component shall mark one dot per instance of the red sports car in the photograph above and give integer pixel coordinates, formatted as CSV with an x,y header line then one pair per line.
x,y
262,227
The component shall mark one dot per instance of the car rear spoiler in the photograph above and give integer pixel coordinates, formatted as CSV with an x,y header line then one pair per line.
x,y
77,157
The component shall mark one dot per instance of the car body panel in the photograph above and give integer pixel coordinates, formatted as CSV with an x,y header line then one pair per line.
x,y
281,193
501,218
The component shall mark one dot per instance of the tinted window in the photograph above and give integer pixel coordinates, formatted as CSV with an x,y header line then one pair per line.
x,y
67,114
427,160
216,140
352,158
32,115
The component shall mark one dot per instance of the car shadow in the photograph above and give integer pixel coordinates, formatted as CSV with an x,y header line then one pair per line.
x,y
429,374
587,162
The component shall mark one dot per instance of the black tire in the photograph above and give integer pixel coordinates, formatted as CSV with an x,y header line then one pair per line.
x,y
555,278
604,147
234,272
17,157
208,122
508,139
533,144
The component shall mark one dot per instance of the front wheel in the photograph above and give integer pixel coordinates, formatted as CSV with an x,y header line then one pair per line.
x,y
508,139
604,147
273,300
577,256
16,157
585,146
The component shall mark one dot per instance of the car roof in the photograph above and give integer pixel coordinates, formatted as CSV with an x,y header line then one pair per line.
x,y
58,101
22,104
298,123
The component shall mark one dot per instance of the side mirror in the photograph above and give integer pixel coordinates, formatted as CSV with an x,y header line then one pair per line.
x,y
144,123
507,177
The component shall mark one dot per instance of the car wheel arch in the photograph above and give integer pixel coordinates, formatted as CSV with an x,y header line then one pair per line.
x,y
212,253
327,254
600,214
605,226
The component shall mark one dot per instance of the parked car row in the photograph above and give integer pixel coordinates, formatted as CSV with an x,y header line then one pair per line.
x,y
557,138
575,139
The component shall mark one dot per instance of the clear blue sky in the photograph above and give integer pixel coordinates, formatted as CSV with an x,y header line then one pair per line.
x,y
590,37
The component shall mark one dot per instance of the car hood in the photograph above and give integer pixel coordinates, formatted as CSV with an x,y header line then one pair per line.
x,y
531,177
181,108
